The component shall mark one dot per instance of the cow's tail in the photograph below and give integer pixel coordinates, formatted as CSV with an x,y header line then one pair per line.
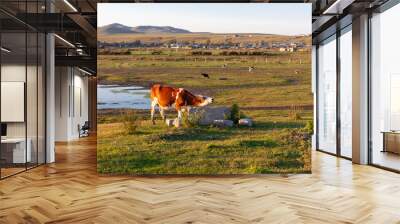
x,y
152,109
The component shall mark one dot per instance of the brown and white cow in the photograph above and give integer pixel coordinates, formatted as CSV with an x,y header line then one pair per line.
x,y
166,97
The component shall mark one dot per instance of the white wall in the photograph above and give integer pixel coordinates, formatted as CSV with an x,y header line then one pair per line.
x,y
71,94
62,82
13,100
13,73
33,126
80,110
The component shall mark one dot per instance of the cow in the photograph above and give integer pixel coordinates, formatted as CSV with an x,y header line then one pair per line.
x,y
166,97
251,68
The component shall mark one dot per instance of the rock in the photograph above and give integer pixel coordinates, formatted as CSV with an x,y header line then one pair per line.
x,y
177,123
173,122
245,122
169,122
223,123
207,115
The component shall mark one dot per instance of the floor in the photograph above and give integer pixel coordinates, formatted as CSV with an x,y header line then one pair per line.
x,y
387,159
70,191
10,171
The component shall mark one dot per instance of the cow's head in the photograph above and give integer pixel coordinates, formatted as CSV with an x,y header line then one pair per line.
x,y
204,100
190,99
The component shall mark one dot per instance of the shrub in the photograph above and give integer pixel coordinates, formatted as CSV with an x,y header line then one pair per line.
x,y
191,120
130,121
235,114
309,128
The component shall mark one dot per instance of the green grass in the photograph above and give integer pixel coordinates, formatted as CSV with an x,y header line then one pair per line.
x,y
273,145
202,150
271,84
158,149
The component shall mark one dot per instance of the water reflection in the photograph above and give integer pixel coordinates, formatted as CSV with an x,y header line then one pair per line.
x,y
120,97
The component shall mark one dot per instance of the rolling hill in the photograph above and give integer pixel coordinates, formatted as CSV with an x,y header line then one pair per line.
x,y
117,28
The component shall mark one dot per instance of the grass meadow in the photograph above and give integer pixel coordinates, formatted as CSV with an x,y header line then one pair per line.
x,y
276,95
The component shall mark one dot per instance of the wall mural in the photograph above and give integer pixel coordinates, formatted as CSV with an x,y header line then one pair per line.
x,y
204,88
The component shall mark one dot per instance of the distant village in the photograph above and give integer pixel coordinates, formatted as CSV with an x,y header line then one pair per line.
x,y
173,44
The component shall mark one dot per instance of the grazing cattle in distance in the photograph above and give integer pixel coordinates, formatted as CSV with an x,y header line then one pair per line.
x,y
205,75
166,97
224,65
251,69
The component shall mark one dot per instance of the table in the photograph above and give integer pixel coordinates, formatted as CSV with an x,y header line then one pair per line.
x,y
391,141
13,150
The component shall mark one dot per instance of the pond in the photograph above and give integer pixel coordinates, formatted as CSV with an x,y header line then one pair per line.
x,y
122,97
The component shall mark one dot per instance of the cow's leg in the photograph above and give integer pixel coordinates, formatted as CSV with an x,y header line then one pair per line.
x,y
179,110
179,119
188,111
162,113
180,115
153,105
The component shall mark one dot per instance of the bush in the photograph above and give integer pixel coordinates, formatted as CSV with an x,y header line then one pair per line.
x,y
235,114
309,128
191,120
130,121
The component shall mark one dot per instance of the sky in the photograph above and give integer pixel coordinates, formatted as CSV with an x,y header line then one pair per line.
x,y
270,18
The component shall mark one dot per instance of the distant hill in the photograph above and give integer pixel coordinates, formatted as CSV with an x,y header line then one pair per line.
x,y
158,29
117,28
